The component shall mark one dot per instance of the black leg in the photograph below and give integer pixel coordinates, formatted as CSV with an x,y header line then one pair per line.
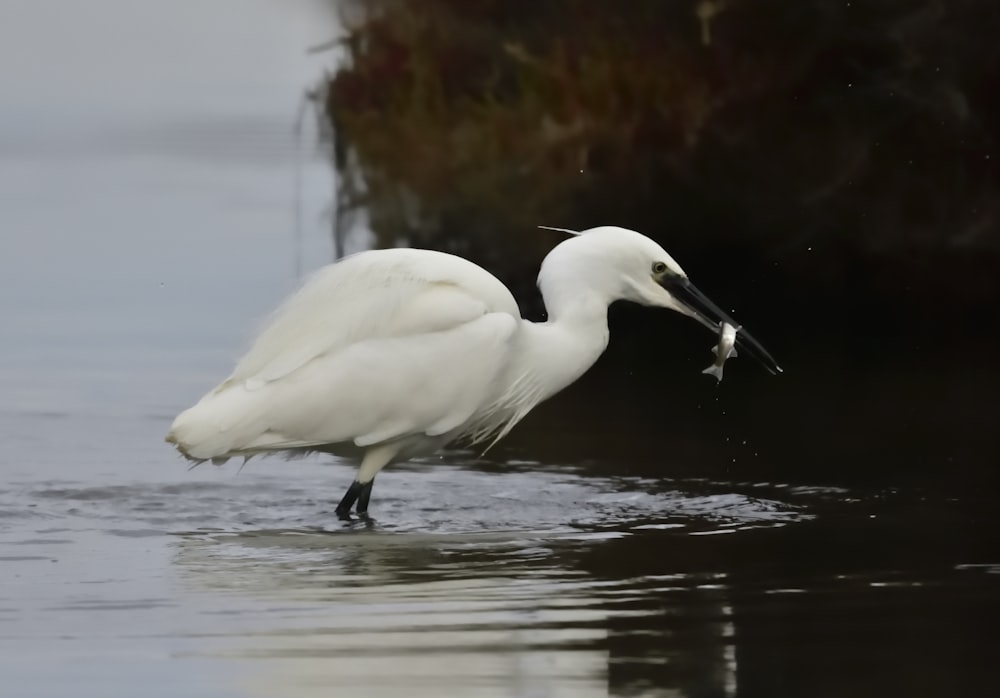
x,y
344,508
364,496
355,493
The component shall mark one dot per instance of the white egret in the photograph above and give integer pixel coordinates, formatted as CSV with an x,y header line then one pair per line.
x,y
398,352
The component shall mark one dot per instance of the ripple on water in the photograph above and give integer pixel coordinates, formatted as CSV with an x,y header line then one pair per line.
x,y
431,499
464,578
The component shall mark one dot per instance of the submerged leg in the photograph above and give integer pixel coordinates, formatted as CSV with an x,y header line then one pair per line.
x,y
356,492
364,496
350,497
360,490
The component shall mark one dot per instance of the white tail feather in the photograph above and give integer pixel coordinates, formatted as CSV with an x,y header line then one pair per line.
x,y
221,424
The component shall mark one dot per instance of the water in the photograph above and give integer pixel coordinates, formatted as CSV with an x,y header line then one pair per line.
x,y
488,577
614,545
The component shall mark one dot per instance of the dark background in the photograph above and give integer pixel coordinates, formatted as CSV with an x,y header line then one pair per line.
x,y
827,170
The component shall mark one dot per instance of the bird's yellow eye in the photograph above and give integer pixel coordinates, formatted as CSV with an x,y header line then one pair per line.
x,y
659,268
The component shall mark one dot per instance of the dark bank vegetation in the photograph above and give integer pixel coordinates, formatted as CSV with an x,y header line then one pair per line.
x,y
834,154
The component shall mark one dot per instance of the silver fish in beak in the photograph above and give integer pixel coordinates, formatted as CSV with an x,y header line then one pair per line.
x,y
725,349
697,305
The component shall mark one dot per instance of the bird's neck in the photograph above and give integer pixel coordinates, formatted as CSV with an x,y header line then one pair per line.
x,y
565,346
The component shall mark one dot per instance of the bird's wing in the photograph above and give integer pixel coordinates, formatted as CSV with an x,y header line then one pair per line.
x,y
372,391
377,347
382,389
372,295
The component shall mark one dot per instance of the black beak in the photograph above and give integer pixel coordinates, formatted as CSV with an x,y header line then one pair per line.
x,y
712,316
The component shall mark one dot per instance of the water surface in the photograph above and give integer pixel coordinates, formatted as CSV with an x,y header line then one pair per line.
x,y
611,547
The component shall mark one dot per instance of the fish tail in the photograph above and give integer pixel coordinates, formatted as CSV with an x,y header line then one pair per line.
x,y
714,370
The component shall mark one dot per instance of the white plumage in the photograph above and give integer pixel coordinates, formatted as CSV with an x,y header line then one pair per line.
x,y
335,361
401,351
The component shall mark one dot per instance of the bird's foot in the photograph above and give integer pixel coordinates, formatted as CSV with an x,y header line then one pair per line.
x,y
357,492
356,520
344,514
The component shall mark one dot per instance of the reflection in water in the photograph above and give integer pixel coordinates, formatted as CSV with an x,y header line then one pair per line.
x,y
486,578
619,605
481,603
482,613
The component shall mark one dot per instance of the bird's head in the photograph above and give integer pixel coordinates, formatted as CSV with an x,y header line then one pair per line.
x,y
620,264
